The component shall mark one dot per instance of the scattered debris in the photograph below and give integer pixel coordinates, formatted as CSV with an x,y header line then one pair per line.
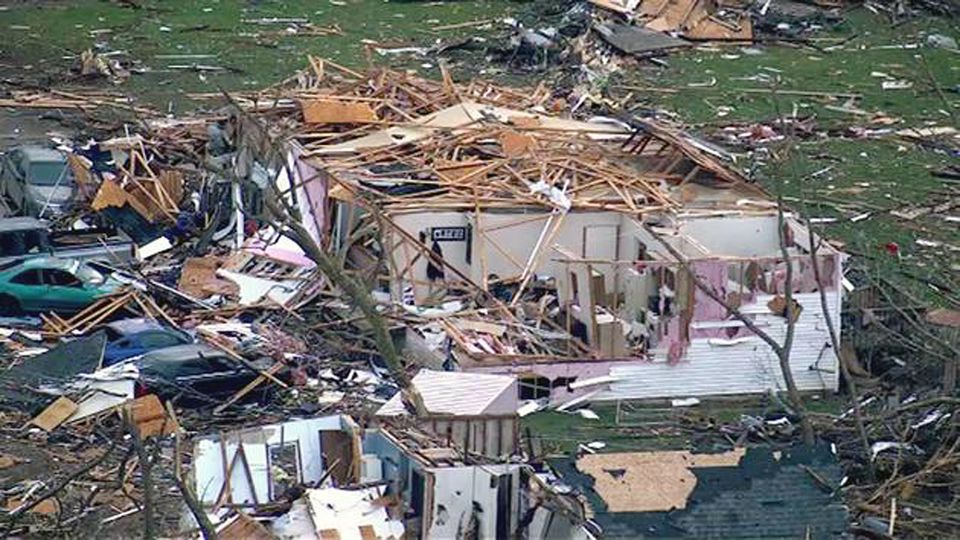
x,y
338,296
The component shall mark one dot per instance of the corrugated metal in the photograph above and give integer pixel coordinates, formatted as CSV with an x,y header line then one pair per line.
x,y
744,368
462,394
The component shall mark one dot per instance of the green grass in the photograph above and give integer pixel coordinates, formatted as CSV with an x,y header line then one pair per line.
x,y
258,55
659,428
561,433
848,69
875,175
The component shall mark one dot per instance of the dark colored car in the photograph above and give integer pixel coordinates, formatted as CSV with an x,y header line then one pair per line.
x,y
195,375
133,337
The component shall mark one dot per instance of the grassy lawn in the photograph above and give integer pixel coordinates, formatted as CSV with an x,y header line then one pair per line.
x,y
711,87
43,40
562,433
850,60
647,426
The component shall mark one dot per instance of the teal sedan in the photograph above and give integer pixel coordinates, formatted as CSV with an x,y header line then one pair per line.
x,y
43,284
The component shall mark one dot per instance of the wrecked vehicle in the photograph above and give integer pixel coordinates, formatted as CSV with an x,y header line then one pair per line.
x,y
51,284
26,236
134,337
37,181
194,374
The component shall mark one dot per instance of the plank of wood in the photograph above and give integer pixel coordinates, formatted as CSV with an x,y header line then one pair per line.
x,y
245,528
480,326
322,111
218,342
55,414
248,388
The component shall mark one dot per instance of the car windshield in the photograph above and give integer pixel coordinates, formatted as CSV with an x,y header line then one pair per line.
x,y
89,275
48,173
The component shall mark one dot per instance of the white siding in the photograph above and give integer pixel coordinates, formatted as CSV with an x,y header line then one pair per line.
x,y
747,367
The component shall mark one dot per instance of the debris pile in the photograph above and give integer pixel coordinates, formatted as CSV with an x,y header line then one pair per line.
x,y
323,309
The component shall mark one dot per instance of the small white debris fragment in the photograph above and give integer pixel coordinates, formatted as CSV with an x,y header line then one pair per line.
x,y
588,414
688,402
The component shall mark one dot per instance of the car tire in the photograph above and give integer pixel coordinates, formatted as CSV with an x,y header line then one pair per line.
x,y
9,306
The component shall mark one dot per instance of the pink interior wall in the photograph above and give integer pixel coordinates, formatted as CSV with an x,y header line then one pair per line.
x,y
714,274
313,188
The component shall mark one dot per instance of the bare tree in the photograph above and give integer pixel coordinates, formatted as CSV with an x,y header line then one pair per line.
x,y
286,219
813,247
781,350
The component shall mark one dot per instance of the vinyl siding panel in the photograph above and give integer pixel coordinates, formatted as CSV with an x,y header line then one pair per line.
x,y
711,369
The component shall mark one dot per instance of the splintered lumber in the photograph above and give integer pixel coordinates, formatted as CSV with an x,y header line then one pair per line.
x,y
516,144
109,195
223,345
243,527
155,197
252,385
92,315
199,278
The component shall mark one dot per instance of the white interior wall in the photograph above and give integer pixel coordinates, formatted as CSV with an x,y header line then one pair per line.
x,y
455,491
734,236
637,284
209,465
516,237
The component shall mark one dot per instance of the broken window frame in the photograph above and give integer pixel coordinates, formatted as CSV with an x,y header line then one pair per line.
x,y
296,477
535,384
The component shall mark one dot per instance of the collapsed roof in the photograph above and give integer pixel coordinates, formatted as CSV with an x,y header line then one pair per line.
x,y
409,143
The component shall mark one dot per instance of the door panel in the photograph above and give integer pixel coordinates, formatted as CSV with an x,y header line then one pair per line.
x,y
28,288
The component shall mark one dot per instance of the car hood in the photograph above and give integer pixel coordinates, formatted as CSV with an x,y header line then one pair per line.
x,y
57,195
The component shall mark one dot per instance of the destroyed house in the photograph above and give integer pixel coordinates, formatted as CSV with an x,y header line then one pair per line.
x,y
753,493
575,255
254,466
432,488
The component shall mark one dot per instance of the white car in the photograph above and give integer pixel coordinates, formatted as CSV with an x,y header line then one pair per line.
x,y
37,181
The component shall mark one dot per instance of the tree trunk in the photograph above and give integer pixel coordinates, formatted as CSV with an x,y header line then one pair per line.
x,y
357,294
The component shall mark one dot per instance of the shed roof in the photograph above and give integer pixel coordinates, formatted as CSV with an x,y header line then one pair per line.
x,y
459,394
